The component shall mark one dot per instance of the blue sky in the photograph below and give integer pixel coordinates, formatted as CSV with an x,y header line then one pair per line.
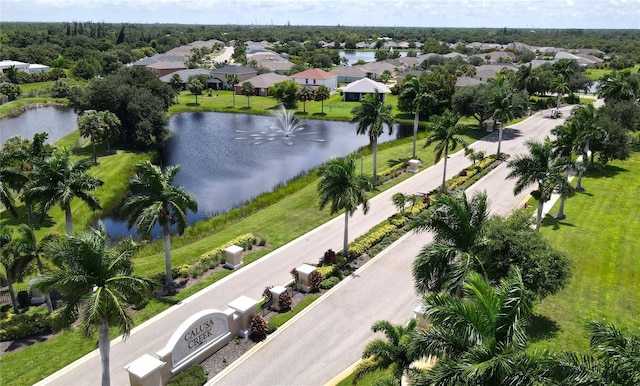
x,y
624,14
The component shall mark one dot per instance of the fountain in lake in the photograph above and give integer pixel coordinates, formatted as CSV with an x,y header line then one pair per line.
x,y
286,129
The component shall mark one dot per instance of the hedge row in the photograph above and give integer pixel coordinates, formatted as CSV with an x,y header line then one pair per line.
x,y
16,326
371,238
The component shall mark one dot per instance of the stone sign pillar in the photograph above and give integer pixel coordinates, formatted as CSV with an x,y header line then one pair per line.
x,y
413,165
304,282
144,371
233,257
275,295
245,309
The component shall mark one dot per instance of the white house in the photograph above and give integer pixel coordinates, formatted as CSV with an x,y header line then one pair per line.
x,y
355,91
316,77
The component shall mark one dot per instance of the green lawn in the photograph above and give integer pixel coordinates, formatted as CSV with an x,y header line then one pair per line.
x,y
600,234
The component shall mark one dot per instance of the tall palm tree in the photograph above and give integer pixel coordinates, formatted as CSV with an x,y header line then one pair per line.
x,y
344,188
561,87
10,178
156,200
415,96
232,80
502,107
27,246
479,339
457,223
538,167
304,94
11,263
446,133
371,116
97,283
58,179
588,130
618,86
392,352
91,126
321,94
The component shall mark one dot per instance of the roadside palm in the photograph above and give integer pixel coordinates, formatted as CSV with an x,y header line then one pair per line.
x,y
97,284
502,111
156,200
539,167
458,227
58,179
445,133
341,186
371,116
479,339
392,352
415,96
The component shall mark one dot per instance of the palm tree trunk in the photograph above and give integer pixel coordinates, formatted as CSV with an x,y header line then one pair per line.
x,y
444,173
345,243
375,159
539,215
322,104
416,119
95,157
47,296
12,294
104,345
68,222
561,214
167,255
234,96
499,139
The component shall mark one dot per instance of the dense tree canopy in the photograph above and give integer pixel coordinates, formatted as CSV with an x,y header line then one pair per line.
x,y
137,97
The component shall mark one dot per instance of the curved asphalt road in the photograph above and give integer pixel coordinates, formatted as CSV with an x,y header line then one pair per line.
x,y
330,336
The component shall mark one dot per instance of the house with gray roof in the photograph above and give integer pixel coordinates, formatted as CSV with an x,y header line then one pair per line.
x,y
272,61
488,71
348,74
185,75
262,82
354,92
244,73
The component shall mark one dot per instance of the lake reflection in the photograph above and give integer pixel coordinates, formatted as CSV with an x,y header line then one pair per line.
x,y
223,168
57,121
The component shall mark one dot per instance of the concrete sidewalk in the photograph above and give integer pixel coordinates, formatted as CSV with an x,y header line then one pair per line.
x,y
274,269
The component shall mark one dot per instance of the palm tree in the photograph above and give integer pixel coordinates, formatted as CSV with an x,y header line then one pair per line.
x,y
445,132
561,87
392,352
371,116
502,111
458,227
248,90
614,359
304,95
176,85
196,87
97,283
156,200
415,96
588,130
618,86
479,339
58,179
112,127
11,263
10,178
344,188
538,167
232,80
321,94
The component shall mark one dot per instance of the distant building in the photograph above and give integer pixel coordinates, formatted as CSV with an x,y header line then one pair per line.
x,y
316,77
21,66
263,82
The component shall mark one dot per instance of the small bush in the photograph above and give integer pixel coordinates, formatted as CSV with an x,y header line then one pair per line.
x,y
193,376
315,279
259,328
329,257
266,294
16,326
285,301
329,283
23,299
295,275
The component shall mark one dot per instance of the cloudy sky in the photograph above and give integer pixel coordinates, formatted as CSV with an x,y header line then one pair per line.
x,y
623,14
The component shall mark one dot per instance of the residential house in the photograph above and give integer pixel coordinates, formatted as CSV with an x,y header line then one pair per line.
x,y
243,73
185,75
354,92
488,71
263,82
315,77
375,69
348,74
466,81
272,61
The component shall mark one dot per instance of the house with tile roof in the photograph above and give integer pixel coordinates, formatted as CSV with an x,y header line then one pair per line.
x,y
262,82
185,75
315,77
272,61
354,92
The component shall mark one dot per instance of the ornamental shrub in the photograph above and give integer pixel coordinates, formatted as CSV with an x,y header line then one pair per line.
x,y
15,326
329,257
315,278
329,283
259,327
266,294
285,301
193,376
